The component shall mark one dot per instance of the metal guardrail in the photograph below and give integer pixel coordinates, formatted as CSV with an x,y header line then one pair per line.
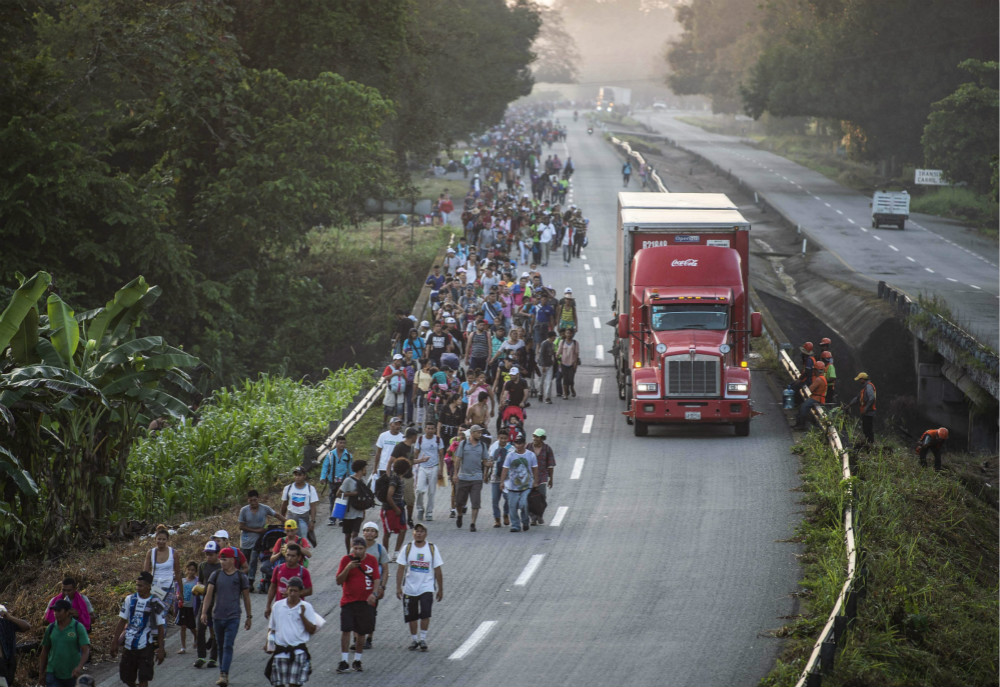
x,y
629,153
845,608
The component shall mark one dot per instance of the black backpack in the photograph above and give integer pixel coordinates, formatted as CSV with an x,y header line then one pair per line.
x,y
364,498
382,487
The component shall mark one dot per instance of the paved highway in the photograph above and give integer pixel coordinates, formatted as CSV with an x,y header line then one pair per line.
x,y
931,256
662,560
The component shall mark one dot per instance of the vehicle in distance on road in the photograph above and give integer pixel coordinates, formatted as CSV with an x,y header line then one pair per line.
x,y
682,311
890,207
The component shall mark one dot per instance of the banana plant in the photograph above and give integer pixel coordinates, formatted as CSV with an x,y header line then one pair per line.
x,y
73,400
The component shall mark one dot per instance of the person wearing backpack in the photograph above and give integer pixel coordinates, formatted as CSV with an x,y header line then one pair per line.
x,y
472,458
520,474
298,502
336,467
359,499
395,388
419,576
141,632
427,466
65,647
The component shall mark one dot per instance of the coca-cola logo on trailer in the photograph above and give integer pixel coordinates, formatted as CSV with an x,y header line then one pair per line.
x,y
690,262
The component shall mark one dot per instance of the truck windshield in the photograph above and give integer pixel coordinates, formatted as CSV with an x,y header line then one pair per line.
x,y
702,316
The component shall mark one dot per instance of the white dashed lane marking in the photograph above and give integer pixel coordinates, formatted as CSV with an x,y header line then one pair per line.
x,y
893,247
577,468
588,422
950,279
560,514
599,352
474,639
597,322
590,280
586,266
929,270
597,385
593,301
529,570
910,259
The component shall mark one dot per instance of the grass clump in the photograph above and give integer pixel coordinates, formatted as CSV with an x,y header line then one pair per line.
x,y
962,204
930,548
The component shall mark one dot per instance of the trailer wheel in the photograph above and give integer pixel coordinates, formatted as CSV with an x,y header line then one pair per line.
x,y
902,223
743,428
640,428
621,385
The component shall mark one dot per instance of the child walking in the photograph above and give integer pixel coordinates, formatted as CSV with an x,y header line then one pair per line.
x,y
186,618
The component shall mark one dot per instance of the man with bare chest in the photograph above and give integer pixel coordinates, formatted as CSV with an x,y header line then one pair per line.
x,y
479,412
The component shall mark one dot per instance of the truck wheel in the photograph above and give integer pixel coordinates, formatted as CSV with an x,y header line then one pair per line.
x,y
640,428
621,385
874,224
743,428
902,223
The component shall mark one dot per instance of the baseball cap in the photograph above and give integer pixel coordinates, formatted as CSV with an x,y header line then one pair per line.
x,y
861,375
373,525
298,469
292,524
395,419
525,275
425,323
144,576
567,290
227,553
397,357
450,250
222,534
211,546
515,370
539,432
449,320
476,428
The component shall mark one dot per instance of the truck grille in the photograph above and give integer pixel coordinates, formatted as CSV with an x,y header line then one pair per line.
x,y
686,377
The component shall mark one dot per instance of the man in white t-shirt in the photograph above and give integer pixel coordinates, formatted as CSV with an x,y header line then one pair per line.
x,y
387,440
298,502
427,466
418,577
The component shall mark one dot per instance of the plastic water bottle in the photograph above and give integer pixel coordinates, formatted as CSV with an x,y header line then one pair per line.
x,y
270,642
788,396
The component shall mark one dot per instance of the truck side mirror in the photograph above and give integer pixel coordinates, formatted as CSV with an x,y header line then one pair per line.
x,y
756,326
623,326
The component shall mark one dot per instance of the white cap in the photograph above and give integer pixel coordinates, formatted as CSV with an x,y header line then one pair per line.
x,y
397,357
567,290
222,534
425,323
450,250
515,370
525,275
413,317
372,524
450,320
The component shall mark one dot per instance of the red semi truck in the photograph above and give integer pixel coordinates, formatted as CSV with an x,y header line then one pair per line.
x,y
682,312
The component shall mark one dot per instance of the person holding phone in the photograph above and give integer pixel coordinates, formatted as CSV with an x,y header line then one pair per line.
x,y
357,574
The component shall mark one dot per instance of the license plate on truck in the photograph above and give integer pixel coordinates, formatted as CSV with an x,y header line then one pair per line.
x,y
692,415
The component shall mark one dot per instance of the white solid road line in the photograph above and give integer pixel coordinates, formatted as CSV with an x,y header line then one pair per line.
x,y
597,322
599,352
593,301
560,514
529,570
474,639
577,468
590,280
597,385
588,422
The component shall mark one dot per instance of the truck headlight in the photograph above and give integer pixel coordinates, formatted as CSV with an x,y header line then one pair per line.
x,y
737,387
647,387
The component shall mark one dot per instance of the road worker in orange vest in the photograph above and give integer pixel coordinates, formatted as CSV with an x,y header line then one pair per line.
x,y
817,395
932,441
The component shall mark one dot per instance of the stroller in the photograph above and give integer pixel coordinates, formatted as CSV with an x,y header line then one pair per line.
x,y
265,544
512,419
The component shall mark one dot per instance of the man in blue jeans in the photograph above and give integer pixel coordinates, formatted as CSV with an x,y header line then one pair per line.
x,y
225,588
498,454
520,473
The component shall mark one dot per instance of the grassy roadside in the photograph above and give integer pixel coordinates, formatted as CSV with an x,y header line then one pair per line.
x,y
930,549
819,153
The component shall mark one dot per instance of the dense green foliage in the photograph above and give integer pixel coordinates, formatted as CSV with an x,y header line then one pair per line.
x,y
74,391
199,144
930,551
961,136
247,438
878,65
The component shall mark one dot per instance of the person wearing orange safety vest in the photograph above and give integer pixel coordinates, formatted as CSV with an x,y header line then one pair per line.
x,y
866,401
817,395
932,440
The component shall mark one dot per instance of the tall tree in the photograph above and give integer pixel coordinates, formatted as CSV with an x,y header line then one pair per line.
x,y
557,55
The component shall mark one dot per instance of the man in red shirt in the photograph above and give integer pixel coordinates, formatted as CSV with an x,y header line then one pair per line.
x,y
357,574
292,567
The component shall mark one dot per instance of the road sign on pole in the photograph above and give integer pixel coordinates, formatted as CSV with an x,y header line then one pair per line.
x,y
929,177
